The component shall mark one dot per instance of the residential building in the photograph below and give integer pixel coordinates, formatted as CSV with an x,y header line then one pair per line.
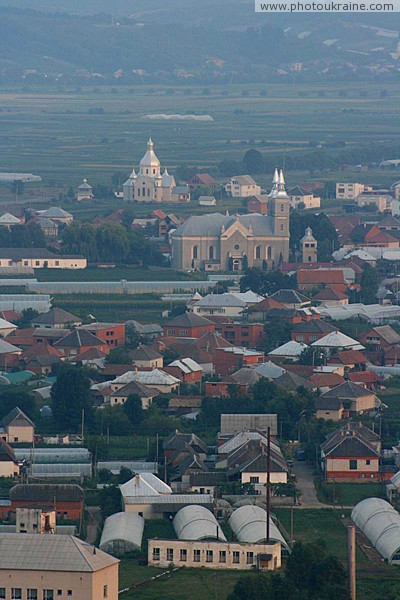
x,y
289,352
351,191
309,331
259,311
207,201
232,243
246,335
232,424
56,318
242,186
17,428
55,213
145,357
150,186
134,388
302,199
349,359
379,338
229,360
113,334
316,278
8,220
378,199
351,454
78,341
345,400
258,204
202,180
186,370
65,499
331,297
47,567
291,382
214,554
39,258
157,379
6,328
8,463
229,305
291,299
188,325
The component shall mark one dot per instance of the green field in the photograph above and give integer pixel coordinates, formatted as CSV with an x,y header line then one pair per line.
x,y
52,133
349,494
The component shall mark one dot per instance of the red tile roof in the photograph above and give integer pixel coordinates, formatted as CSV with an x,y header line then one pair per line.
x,y
363,377
347,357
265,305
320,276
326,379
330,294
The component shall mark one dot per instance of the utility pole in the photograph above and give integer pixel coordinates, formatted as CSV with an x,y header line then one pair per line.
x,y
83,424
268,487
351,560
291,526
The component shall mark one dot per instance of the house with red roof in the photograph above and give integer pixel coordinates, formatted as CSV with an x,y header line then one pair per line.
x,y
331,296
188,325
202,180
258,311
312,278
350,359
229,360
308,332
247,335
258,204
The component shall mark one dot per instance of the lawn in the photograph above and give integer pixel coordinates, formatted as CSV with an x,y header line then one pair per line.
x,y
115,274
349,494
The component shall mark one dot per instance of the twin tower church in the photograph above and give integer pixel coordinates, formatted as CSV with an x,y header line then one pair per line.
x,y
217,242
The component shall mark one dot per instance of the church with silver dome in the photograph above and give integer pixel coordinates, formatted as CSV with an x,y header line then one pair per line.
x,y
150,185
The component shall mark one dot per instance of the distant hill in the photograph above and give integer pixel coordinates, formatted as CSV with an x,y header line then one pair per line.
x,y
220,43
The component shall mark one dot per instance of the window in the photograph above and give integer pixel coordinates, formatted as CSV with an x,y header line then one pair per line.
x,y
368,462
250,558
37,263
195,252
170,554
281,227
236,557
31,594
183,332
15,439
258,252
269,252
353,465
2,593
183,555
26,263
196,555
156,553
222,556
57,263
48,594
16,594
211,252
105,591
236,246
254,480
282,208
59,592
209,556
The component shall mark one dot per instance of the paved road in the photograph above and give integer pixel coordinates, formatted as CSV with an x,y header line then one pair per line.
x,y
305,483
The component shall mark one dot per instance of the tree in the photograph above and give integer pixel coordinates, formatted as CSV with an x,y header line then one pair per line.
x,y
27,315
264,283
253,162
118,356
70,396
11,399
369,284
133,409
112,242
323,231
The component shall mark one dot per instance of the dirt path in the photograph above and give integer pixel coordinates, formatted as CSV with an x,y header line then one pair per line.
x,y
94,520
305,483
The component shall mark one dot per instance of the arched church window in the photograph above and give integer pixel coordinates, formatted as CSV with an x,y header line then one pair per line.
x,y
144,192
138,192
282,208
154,171
211,252
195,252
258,252
309,259
147,171
269,252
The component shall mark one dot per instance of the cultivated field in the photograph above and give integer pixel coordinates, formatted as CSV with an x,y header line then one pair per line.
x,y
55,133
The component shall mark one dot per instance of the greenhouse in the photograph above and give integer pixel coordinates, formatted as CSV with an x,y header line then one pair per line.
x,y
122,533
197,523
249,524
61,471
53,455
380,523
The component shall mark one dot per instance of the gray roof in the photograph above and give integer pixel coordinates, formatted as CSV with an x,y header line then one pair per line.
x,y
50,553
188,320
346,391
144,353
56,316
291,381
211,224
79,338
134,388
290,297
56,211
16,414
46,493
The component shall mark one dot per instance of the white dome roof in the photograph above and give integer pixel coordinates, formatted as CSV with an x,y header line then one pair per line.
x,y
150,159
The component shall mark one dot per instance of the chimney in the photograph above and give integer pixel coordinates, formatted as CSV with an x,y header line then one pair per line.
x,y
137,480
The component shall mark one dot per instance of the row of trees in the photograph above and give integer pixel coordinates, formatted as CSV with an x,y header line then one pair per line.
x,y
110,242
22,236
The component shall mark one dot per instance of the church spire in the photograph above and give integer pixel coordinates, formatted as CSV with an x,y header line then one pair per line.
x,y
282,185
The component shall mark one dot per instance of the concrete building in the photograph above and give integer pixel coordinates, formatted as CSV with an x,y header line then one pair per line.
x,y
242,186
232,243
214,554
150,186
65,499
301,199
351,191
8,462
17,428
113,334
39,258
381,200
56,318
35,520
47,567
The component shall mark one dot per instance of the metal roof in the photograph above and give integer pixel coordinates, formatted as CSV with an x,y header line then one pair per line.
x,y
144,484
34,552
249,524
171,499
291,348
380,522
122,527
234,423
116,465
197,523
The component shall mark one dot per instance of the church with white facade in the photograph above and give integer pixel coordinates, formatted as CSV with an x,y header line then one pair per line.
x,y
217,242
150,185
